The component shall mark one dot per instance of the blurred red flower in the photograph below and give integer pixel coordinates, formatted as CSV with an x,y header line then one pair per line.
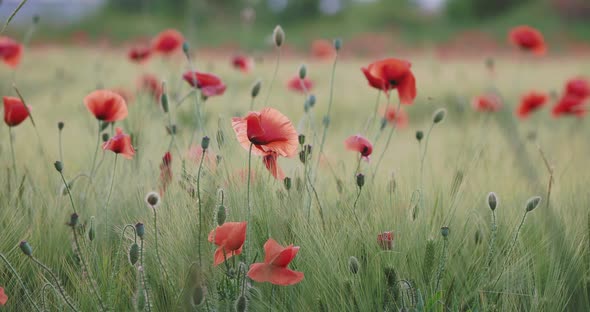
x,y
358,143
487,103
385,240
393,116
150,83
3,297
570,105
275,269
530,102
242,63
139,54
209,84
106,105
120,144
322,49
10,51
300,85
579,87
528,39
391,73
229,237
15,111
168,41
165,173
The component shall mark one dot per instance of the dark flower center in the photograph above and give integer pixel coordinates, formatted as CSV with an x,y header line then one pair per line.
x,y
393,83
365,150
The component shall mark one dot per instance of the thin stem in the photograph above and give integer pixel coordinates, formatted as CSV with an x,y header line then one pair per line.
x,y
156,246
69,192
248,195
200,205
511,248
317,198
20,281
106,205
56,280
43,295
393,126
95,152
326,121
372,118
424,156
492,241
85,265
116,259
145,288
274,76
13,154
61,154
354,208
441,268
252,104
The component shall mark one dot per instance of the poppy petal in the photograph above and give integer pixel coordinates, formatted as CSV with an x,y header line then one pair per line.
x,y
407,89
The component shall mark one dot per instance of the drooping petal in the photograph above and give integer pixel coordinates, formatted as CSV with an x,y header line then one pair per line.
x,y
271,163
219,257
407,89
281,276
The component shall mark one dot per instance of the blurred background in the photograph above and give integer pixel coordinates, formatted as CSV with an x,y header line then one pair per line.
x,y
366,25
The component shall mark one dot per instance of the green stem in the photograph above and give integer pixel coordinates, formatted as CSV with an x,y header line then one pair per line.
x,y
393,126
157,249
106,205
490,256
56,280
441,268
354,208
248,238
145,288
424,156
511,248
13,153
372,119
95,152
274,76
61,154
20,281
326,122
85,265
116,259
200,206
69,192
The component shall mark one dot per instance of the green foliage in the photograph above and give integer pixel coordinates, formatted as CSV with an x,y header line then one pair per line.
x,y
480,9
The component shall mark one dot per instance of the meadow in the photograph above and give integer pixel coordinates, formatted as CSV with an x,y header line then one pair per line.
x,y
450,251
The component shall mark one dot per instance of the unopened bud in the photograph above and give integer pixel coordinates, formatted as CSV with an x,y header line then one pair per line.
x,y
133,253
73,220
92,230
301,139
419,135
60,125
105,137
532,203
242,304
287,183
337,44
59,166
256,88
140,229
302,71
198,295
26,248
205,143
492,201
360,180
353,265
444,231
439,115
221,214
278,36
186,48
311,99
164,99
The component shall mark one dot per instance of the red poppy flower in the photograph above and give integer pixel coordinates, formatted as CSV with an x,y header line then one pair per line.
x,y
242,63
168,41
3,297
300,85
270,161
229,237
15,111
106,105
209,84
487,103
393,116
269,131
528,39
120,144
530,102
358,143
274,268
389,74
579,87
570,105
10,51
385,240
152,85
139,54
165,172
322,49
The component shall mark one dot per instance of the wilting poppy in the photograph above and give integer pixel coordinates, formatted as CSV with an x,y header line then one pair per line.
x,y
528,39
275,269
165,173
385,240
106,105
487,103
15,111
242,63
358,143
391,73
10,51
150,83
168,41
209,84
120,144
570,105
530,102
579,87
322,49
229,237
139,54
393,116
3,297
300,85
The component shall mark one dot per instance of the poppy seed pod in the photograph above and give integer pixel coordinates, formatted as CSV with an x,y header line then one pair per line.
x,y
287,183
444,231
353,265
26,248
152,199
92,230
105,137
301,139
360,180
205,143
133,253
337,44
59,166
278,36
242,304
74,219
439,115
492,201
256,88
532,203
60,125
140,229
302,71
221,214
419,135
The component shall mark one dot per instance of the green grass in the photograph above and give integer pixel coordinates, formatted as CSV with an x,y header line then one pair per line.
x,y
547,269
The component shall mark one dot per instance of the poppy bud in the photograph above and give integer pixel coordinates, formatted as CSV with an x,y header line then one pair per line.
x,y
302,71
532,203
353,265
164,100
278,36
205,143
221,215
186,48
419,135
492,201
360,180
444,231
310,100
337,44
301,139
36,19
60,125
256,88
242,304
59,166
140,229
133,253
73,220
26,248
302,156
153,198
287,183
439,115
198,295
220,138
92,230
105,137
